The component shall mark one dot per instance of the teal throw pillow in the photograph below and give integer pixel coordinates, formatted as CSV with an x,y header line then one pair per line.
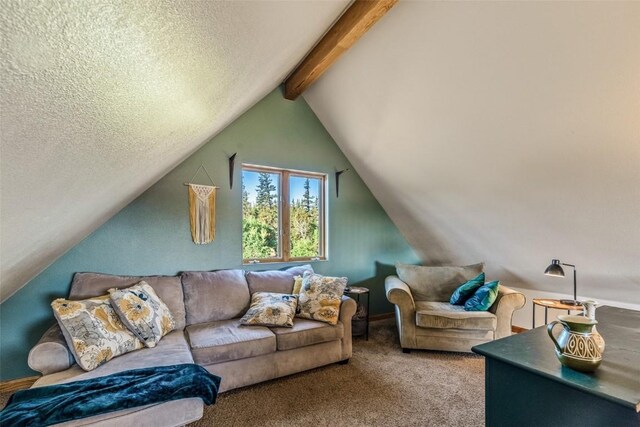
x,y
466,290
484,297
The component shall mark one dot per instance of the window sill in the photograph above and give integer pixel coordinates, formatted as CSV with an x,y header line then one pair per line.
x,y
284,263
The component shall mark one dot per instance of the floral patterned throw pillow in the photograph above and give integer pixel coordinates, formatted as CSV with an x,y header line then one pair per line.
x,y
144,313
93,331
271,309
320,297
297,285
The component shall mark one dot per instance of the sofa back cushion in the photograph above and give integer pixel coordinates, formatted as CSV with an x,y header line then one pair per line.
x,y
214,295
436,283
275,281
168,288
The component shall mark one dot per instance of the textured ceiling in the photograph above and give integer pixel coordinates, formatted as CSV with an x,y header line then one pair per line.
x,y
507,132
100,99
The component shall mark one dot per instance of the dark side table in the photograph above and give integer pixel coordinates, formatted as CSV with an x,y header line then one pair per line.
x,y
360,320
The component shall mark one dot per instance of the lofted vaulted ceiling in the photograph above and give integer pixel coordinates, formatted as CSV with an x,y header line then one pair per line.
x,y
507,132
100,99
504,132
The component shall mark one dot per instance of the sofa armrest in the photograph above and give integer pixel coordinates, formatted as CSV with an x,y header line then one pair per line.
x,y
507,302
399,293
51,353
348,307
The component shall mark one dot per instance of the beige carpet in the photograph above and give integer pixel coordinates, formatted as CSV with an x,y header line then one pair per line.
x,y
380,386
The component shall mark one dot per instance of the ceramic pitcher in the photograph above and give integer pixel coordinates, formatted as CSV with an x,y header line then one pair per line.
x,y
576,346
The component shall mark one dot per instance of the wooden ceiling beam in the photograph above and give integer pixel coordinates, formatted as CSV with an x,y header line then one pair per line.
x,y
352,25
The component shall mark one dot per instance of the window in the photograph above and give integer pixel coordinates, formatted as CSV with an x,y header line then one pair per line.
x,y
283,215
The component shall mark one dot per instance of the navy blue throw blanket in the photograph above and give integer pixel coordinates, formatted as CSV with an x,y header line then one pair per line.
x,y
43,406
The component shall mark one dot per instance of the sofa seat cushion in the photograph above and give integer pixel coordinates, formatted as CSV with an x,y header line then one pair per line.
x,y
307,332
224,340
443,315
173,349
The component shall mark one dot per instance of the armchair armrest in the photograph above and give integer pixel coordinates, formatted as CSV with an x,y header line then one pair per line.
x,y
51,353
399,293
507,302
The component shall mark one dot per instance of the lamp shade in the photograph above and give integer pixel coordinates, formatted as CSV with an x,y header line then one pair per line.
x,y
554,269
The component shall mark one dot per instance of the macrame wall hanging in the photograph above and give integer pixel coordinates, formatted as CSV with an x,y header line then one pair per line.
x,y
202,210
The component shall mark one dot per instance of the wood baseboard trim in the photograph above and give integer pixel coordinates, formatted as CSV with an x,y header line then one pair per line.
x,y
381,316
17,384
518,329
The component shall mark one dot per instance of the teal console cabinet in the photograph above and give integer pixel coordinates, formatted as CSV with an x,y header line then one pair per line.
x,y
525,385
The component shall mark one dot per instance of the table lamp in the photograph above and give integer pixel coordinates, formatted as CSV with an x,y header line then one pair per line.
x,y
555,269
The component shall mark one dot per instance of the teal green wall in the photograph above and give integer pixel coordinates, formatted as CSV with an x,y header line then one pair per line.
x,y
151,235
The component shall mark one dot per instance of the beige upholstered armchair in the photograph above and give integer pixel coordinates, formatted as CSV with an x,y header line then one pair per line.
x,y
427,321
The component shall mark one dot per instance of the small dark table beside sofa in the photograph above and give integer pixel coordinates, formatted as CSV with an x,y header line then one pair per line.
x,y
525,384
206,307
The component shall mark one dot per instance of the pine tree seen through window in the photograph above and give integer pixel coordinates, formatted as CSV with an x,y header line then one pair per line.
x,y
282,215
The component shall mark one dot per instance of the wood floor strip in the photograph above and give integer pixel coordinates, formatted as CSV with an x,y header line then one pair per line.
x,y
17,384
381,316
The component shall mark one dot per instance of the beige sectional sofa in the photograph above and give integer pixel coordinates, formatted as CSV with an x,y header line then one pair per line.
x,y
206,307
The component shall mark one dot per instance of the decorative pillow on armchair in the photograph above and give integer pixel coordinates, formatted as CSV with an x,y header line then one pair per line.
x,y
320,297
271,309
93,331
484,297
466,290
143,312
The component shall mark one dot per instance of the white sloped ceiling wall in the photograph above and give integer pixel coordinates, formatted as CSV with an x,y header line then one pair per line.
x,y
504,132
100,99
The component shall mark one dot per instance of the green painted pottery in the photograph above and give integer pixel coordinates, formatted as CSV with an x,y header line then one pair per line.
x,y
576,346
